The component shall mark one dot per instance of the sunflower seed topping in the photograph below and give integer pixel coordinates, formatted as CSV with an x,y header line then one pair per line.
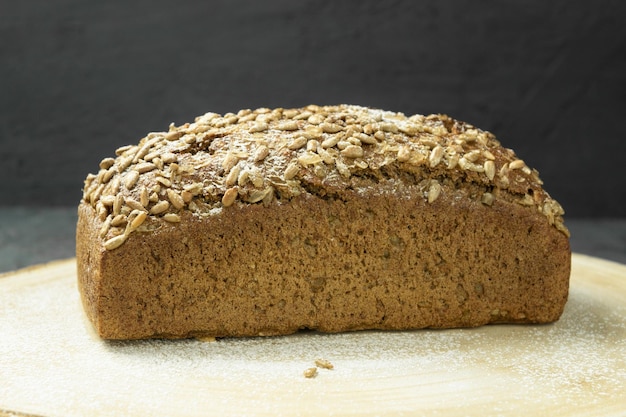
x,y
171,218
433,191
160,207
229,197
175,198
115,242
261,155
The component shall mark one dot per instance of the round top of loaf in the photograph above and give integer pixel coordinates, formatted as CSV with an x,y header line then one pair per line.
x,y
270,156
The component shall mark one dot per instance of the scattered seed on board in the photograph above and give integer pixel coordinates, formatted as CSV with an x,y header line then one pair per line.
x,y
310,372
323,363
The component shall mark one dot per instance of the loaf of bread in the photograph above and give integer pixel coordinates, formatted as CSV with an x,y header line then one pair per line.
x,y
331,218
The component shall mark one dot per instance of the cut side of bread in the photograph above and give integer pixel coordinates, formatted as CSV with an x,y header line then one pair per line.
x,y
332,218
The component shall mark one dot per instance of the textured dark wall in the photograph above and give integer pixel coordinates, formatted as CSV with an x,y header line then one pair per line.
x,y
79,78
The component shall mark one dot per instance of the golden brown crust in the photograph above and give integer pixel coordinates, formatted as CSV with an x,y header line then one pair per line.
x,y
332,218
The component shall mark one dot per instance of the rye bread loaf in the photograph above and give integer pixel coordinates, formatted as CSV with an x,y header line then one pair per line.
x,y
332,218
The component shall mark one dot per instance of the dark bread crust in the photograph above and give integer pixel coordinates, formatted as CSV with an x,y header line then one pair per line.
x,y
370,253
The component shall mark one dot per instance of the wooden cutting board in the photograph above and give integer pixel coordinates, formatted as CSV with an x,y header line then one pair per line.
x,y
51,363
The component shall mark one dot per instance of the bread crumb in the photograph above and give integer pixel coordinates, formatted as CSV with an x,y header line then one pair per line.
x,y
323,363
310,373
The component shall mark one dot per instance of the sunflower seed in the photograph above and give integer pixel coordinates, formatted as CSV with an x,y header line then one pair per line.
x,y
315,119
107,200
232,176
230,160
330,127
186,195
436,154
145,167
323,363
175,198
164,181
370,140
160,207
194,188
107,163
131,179
433,191
144,198
517,164
472,156
229,197
290,113
138,220
243,178
291,171
115,242
118,221
389,127
171,217
487,199
260,153
342,168
117,204
288,125
134,204
313,132
169,157
404,153
259,195
490,169
175,135
258,127
309,158
297,143
312,145
352,151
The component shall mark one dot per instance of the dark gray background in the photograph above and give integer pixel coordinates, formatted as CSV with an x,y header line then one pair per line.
x,y
78,78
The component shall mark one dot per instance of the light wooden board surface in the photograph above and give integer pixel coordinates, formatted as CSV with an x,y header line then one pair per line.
x,y
51,363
